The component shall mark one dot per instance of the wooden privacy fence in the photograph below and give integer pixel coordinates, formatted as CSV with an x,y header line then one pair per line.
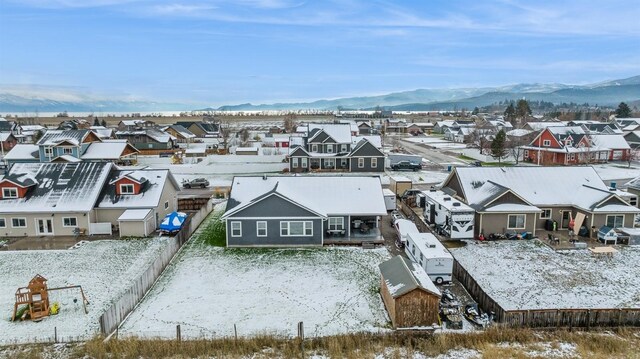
x,y
112,317
548,318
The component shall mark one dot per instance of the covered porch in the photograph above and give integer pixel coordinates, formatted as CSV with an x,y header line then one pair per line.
x,y
329,163
357,230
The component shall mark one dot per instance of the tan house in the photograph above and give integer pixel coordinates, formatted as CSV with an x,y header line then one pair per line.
x,y
525,199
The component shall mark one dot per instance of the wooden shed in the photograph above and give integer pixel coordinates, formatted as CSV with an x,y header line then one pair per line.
x,y
399,184
410,297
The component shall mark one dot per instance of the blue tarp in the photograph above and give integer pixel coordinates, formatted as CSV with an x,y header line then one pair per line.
x,y
173,221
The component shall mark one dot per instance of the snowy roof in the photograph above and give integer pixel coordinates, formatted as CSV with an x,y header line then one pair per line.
x,y
613,141
102,131
341,133
107,150
403,276
247,149
537,126
54,137
33,127
4,136
153,182
513,208
134,214
540,186
375,140
518,132
66,158
62,187
429,246
404,228
447,201
325,195
181,130
156,135
23,152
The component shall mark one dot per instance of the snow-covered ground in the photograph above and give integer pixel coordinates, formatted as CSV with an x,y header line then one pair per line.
x,y
209,289
436,142
530,275
104,269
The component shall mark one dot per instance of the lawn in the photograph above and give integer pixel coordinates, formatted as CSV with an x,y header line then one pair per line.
x,y
104,269
530,275
209,289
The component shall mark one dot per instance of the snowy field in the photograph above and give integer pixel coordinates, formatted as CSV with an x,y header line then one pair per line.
x,y
104,269
209,289
530,275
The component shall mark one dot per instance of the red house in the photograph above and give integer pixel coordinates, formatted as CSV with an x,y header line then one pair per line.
x,y
564,145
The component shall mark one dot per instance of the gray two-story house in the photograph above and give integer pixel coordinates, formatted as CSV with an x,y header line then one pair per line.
x,y
303,211
330,147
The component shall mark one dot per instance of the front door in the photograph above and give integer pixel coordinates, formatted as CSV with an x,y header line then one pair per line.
x,y
45,226
565,219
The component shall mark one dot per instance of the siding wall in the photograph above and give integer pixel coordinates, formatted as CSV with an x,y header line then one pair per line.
x,y
497,223
31,229
249,234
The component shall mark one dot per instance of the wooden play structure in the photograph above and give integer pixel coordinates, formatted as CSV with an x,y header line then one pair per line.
x,y
34,299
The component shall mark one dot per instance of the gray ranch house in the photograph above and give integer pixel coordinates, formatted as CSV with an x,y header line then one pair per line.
x,y
303,211
331,148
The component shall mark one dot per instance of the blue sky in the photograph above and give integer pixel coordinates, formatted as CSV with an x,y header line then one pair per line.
x,y
263,51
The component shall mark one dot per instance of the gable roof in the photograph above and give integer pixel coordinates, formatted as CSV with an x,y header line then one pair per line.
x,y
154,134
339,194
362,145
107,150
341,132
23,151
153,182
613,141
403,276
55,137
180,130
540,186
62,187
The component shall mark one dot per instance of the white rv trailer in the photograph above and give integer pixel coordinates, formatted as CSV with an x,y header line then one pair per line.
x,y
389,199
426,250
403,228
448,216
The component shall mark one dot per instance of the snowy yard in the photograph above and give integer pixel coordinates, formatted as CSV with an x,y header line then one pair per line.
x,y
209,289
436,142
104,269
530,275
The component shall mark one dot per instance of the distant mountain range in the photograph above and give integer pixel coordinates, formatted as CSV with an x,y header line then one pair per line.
x,y
603,93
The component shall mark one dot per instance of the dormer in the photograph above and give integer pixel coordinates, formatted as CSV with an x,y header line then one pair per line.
x,y
13,187
128,184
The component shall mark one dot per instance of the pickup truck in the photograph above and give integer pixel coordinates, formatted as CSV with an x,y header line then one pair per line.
x,y
406,165
196,182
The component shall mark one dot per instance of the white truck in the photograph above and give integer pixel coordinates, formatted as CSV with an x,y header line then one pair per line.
x,y
426,250
448,216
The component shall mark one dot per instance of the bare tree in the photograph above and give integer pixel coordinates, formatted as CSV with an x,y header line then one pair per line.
x,y
634,155
244,136
514,144
290,122
479,137
225,134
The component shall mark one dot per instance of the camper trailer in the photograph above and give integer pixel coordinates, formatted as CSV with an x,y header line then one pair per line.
x,y
403,228
430,254
389,199
448,216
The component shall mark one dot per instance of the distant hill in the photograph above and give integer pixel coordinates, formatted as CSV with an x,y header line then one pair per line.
x,y
604,93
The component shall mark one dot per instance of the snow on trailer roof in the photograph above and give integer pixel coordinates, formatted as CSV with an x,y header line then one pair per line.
x,y
429,246
447,201
404,227
325,195
402,276
134,214
62,187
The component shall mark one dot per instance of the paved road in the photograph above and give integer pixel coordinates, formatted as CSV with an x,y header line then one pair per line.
x,y
437,156
195,192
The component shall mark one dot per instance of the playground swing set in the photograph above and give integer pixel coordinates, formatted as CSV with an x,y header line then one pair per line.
x,y
32,301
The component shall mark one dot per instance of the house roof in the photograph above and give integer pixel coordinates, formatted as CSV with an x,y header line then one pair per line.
x,y
134,214
325,195
403,276
54,137
102,131
107,150
540,186
153,182
518,132
375,140
62,187
23,180
23,152
340,132
156,135
5,136
613,141
181,130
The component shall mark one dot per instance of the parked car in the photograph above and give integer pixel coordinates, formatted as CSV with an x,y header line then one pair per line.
x,y
406,165
196,182
476,164
395,215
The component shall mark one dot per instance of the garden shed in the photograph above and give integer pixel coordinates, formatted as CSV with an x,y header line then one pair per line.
x,y
410,297
137,223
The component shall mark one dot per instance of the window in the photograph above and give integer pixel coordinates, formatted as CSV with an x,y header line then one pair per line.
x,y
10,192
329,163
69,222
236,229
546,143
329,148
19,222
314,148
572,157
166,205
67,150
261,228
374,163
516,221
615,221
126,189
526,153
294,162
343,148
3,223
633,201
303,162
360,162
546,213
296,228
336,223
48,151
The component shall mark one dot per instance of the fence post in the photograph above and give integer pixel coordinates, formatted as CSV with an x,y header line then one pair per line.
x,y
55,334
588,319
301,336
235,332
178,334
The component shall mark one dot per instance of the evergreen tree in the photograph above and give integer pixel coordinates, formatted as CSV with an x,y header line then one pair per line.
x,y
623,110
510,112
475,111
499,146
103,123
522,109
96,122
